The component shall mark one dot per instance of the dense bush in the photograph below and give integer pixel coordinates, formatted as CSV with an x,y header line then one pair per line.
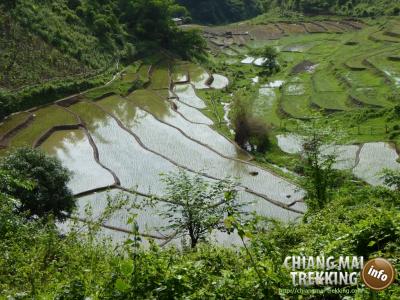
x,y
250,130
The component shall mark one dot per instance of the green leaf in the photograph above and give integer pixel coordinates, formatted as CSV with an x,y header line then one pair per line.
x,y
371,243
228,223
127,267
121,285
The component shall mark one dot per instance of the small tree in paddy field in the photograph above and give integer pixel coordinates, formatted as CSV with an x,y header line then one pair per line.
x,y
196,207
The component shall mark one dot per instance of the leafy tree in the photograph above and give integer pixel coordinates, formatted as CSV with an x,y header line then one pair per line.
x,y
320,177
196,207
270,65
318,171
50,194
189,45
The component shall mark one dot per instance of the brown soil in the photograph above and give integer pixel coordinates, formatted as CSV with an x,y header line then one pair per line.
x,y
221,37
302,67
314,28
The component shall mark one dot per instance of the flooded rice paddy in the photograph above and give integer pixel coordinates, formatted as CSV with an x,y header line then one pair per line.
x,y
122,143
366,161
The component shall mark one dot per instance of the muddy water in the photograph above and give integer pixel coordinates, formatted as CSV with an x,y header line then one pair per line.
x,y
346,156
76,154
151,224
248,60
143,135
265,101
192,114
198,76
148,217
290,143
260,61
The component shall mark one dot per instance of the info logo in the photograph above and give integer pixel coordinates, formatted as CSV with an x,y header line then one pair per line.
x,y
378,274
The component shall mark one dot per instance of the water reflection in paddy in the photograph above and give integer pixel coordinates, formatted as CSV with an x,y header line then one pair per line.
x,y
171,143
76,154
148,217
187,95
125,111
192,114
374,157
119,151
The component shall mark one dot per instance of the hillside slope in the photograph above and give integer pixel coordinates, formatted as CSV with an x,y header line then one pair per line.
x,y
222,11
51,49
359,8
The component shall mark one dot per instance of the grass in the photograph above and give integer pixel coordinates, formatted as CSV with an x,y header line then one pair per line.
x,y
324,81
329,87
370,96
331,101
130,78
160,77
366,79
45,119
380,36
12,122
296,106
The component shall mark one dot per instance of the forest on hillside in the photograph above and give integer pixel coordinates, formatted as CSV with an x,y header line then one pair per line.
x,y
225,11
51,49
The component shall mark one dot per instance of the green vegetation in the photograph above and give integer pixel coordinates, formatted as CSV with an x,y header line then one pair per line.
x,y
249,129
196,207
221,11
392,179
335,77
359,8
57,48
226,11
92,267
47,193
43,120
309,84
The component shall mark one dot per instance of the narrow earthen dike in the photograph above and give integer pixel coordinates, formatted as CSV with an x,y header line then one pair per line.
x,y
79,126
5,139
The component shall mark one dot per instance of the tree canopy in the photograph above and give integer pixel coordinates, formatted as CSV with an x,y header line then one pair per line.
x,y
49,193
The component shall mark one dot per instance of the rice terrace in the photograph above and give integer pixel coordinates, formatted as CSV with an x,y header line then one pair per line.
x,y
344,70
296,111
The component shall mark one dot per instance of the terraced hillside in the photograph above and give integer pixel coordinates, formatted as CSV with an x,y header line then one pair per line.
x,y
343,69
114,139
160,114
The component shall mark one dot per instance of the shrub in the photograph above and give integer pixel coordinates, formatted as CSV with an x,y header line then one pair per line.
x,y
249,129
